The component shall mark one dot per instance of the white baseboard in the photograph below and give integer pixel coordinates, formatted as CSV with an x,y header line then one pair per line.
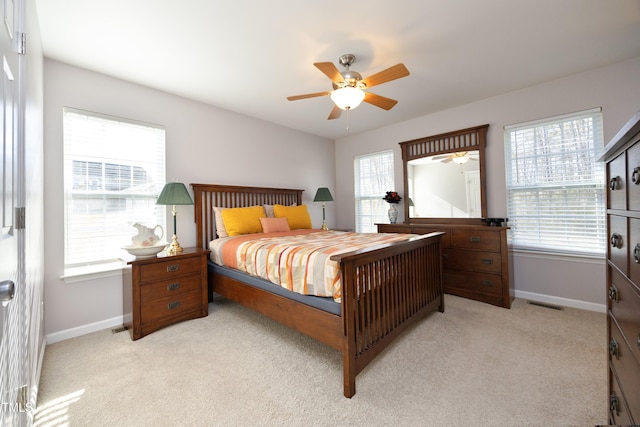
x,y
84,329
564,302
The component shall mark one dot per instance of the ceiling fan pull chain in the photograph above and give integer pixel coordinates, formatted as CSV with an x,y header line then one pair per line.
x,y
348,119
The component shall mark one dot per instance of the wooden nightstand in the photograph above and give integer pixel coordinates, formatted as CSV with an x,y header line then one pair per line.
x,y
164,290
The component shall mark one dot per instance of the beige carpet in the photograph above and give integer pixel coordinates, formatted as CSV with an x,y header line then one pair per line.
x,y
476,365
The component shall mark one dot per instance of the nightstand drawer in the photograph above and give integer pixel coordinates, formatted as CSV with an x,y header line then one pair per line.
x,y
170,288
170,268
171,306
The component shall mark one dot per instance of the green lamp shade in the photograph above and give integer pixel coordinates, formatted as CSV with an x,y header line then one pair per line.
x,y
174,193
323,195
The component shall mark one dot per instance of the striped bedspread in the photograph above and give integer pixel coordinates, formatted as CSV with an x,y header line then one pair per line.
x,y
298,260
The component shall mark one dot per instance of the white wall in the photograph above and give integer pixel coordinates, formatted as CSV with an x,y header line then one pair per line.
x,y
615,88
204,145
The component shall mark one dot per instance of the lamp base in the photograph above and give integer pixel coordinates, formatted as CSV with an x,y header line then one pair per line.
x,y
324,226
174,248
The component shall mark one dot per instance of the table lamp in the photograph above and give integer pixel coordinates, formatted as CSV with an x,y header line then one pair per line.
x,y
174,193
323,195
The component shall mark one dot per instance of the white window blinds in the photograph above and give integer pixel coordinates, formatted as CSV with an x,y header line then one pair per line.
x,y
555,185
113,173
373,178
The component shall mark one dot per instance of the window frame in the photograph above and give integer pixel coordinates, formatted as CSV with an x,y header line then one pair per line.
x,y
108,163
371,200
576,225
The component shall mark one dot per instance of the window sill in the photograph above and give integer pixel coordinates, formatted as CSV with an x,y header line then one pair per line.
x,y
91,272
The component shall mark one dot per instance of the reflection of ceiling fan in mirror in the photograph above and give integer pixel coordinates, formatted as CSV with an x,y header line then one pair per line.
x,y
459,157
349,86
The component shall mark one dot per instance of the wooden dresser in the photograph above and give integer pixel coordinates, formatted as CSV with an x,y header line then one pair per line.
x,y
161,291
475,259
622,156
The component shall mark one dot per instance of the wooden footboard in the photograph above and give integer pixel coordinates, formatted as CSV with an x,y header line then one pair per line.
x,y
384,291
385,288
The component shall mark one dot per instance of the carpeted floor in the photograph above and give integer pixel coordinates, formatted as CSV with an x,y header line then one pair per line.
x,y
475,364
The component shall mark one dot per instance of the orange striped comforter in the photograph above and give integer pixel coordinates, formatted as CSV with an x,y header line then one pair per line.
x,y
298,260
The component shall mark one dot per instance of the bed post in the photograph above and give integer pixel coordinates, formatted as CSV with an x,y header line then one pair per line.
x,y
349,352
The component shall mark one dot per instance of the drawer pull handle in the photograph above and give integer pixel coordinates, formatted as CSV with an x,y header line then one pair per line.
x,y
487,283
487,261
173,286
614,349
173,267
635,176
614,183
638,341
614,403
173,305
613,294
636,253
475,239
616,240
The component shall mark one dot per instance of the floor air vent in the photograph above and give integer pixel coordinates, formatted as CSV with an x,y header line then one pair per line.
x,y
542,304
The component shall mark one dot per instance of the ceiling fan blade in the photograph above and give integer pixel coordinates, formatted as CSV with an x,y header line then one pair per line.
x,y
330,70
335,113
379,101
308,95
391,73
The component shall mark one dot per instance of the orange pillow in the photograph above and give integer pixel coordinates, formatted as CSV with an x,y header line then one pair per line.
x,y
271,225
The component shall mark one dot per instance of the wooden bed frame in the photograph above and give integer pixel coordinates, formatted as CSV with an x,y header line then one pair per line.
x,y
385,288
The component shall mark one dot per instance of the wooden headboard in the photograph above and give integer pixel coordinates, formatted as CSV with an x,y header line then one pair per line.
x,y
206,196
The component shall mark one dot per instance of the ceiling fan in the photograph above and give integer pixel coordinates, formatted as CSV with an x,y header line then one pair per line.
x,y
459,157
349,86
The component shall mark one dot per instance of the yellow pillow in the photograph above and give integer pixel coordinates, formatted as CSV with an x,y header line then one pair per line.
x,y
297,216
239,221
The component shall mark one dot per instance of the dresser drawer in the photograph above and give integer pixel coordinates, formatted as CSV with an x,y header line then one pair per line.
x,y
171,306
476,239
446,237
618,411
168,269
626,368
616,191
634,250
624,305
618,242
170,288
633,178
480,283
489,262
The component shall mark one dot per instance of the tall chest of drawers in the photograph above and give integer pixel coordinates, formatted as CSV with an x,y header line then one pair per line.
x,y
161,291
622,157
475,259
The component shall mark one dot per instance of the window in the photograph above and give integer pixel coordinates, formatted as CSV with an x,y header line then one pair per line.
x,y
373,178
555,185
113,173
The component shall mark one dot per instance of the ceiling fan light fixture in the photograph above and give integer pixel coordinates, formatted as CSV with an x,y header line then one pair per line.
x,y
460,159
347,98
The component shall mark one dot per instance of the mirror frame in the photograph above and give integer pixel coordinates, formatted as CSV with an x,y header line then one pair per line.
x,y
474,138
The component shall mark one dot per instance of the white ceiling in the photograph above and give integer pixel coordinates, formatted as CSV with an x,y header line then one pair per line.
x,y
249,55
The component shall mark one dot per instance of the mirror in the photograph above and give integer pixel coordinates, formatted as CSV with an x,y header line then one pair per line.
x,y
448,186
444,177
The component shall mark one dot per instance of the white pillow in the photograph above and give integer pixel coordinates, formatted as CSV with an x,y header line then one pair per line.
x,y
221,231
